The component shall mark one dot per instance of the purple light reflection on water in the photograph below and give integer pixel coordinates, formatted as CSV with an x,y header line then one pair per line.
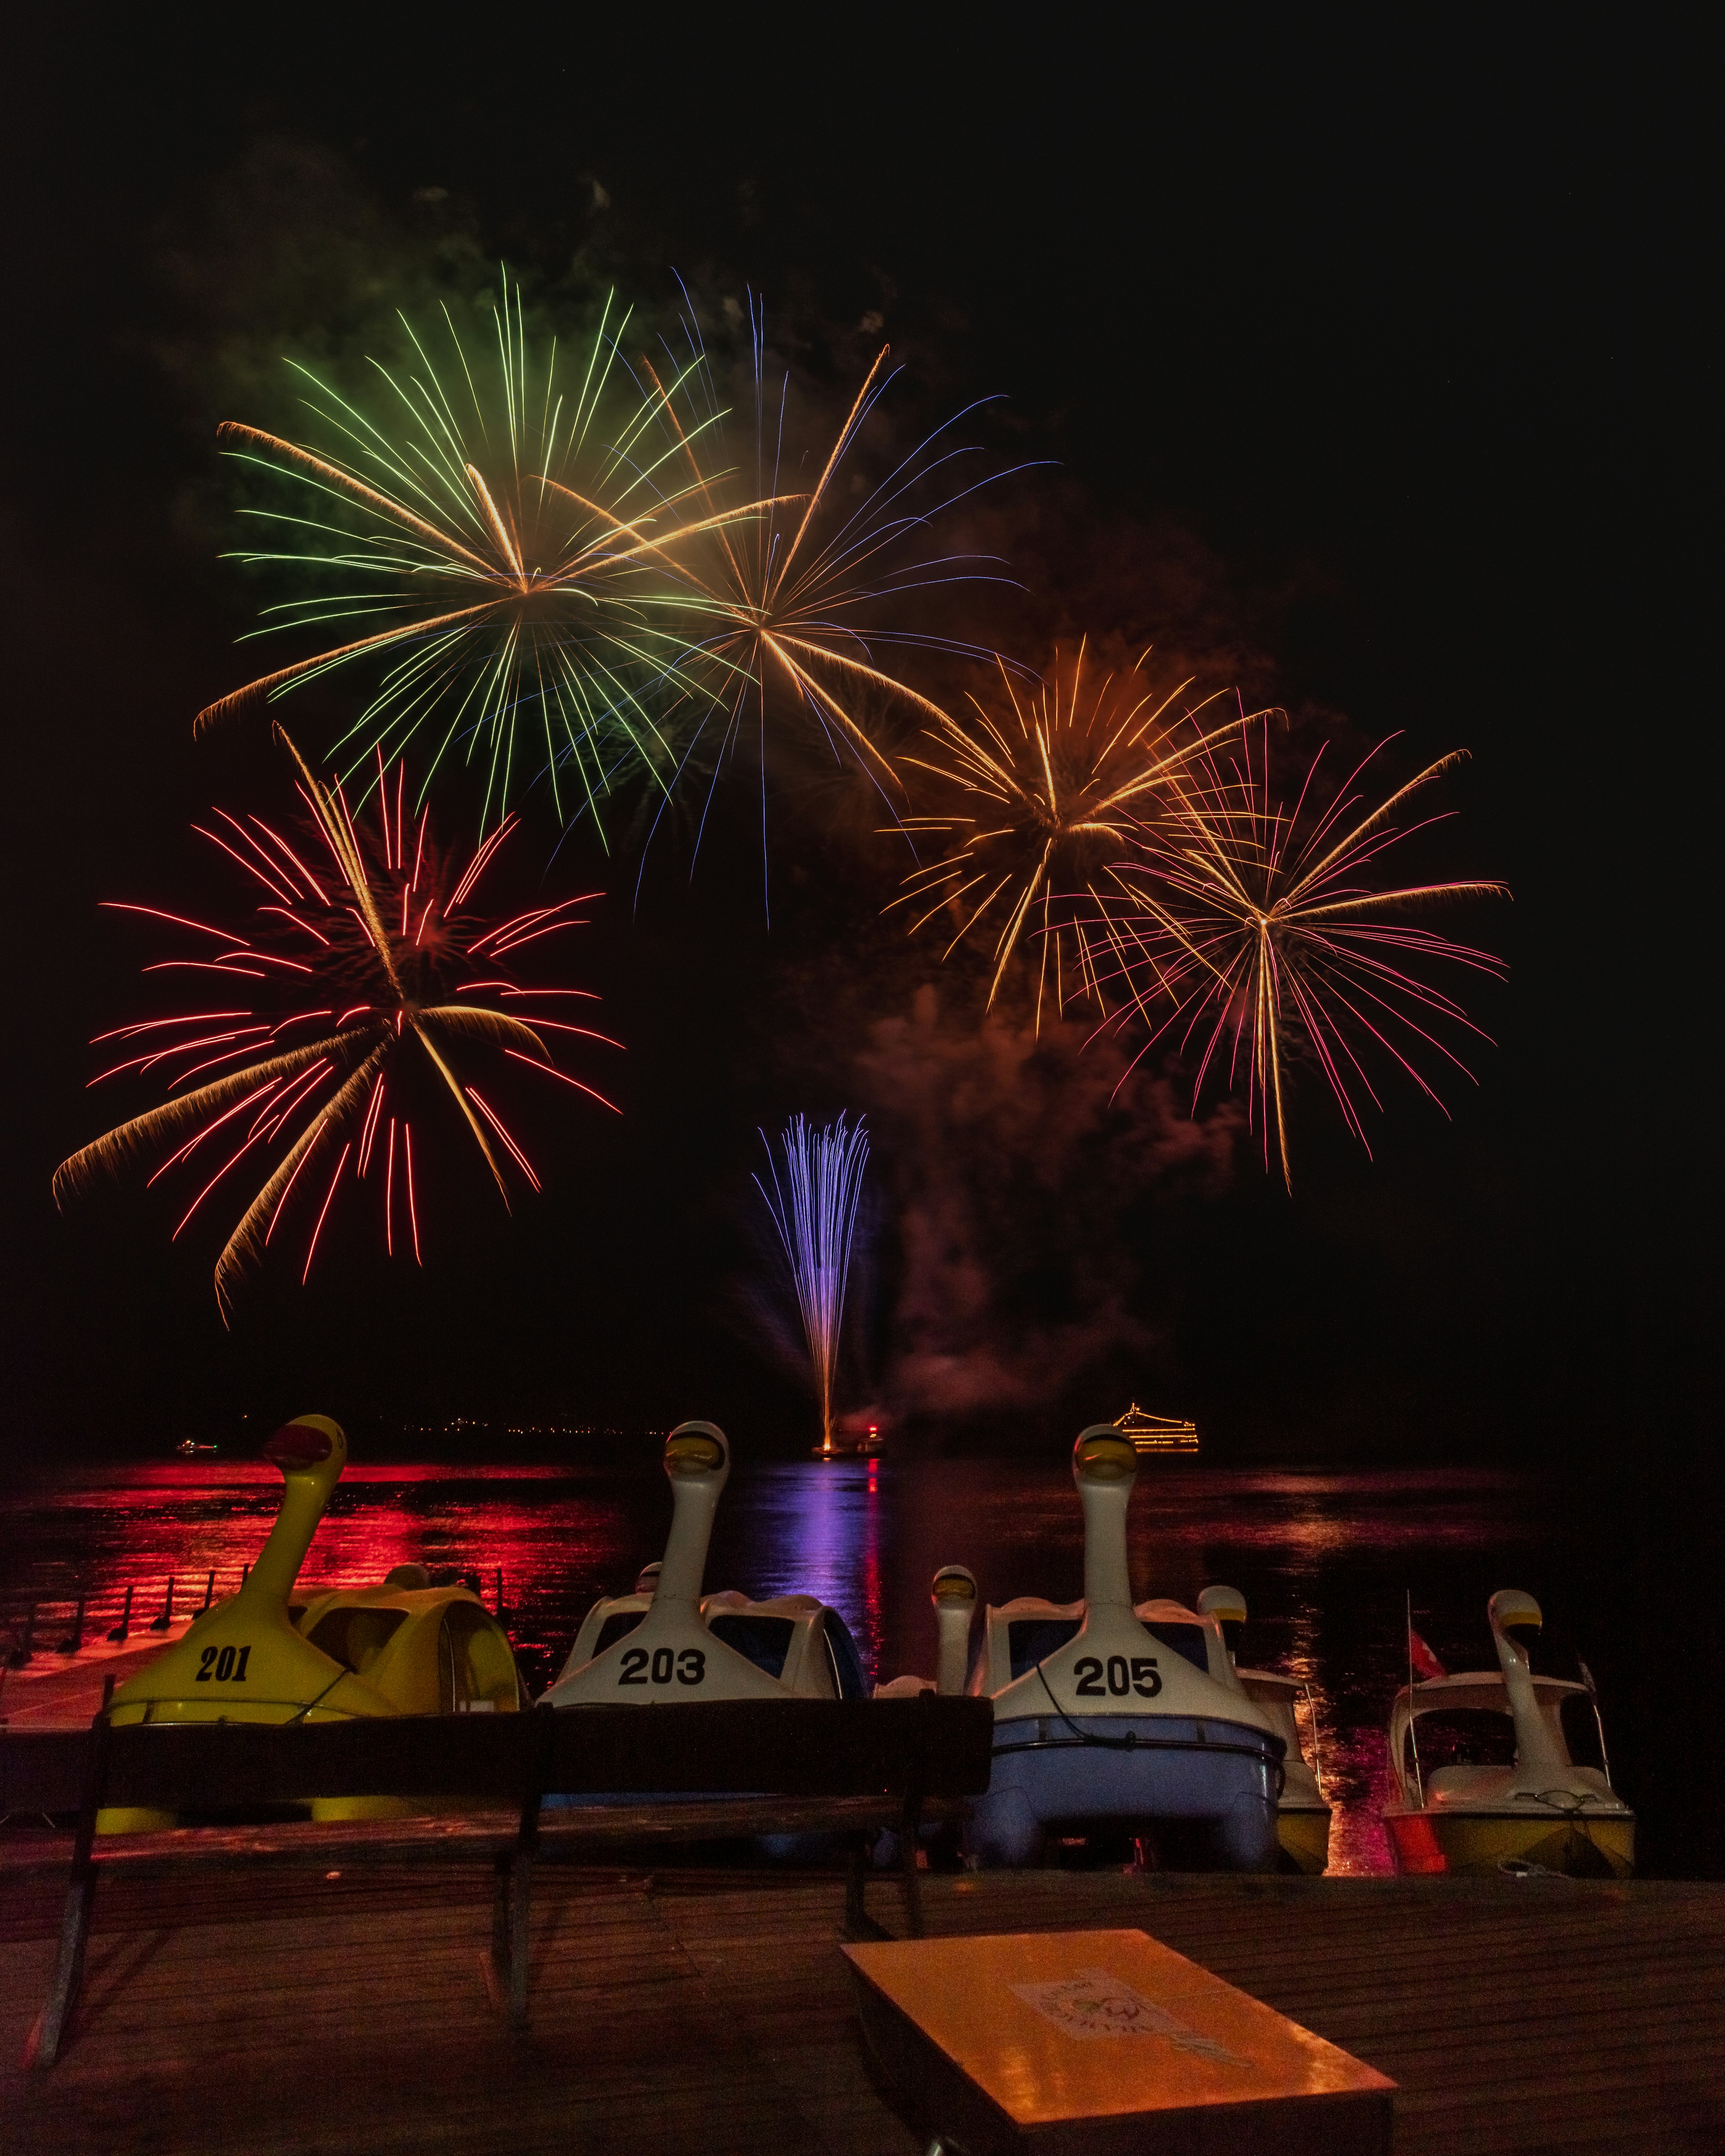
x,y
1324,1559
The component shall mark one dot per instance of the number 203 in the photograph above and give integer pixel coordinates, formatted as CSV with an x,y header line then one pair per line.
x,y
690,1666
226,1665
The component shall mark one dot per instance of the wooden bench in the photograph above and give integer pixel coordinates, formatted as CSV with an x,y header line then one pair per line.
x,y
749,1767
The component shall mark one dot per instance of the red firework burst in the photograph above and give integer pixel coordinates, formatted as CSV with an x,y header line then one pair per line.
x,y
364,944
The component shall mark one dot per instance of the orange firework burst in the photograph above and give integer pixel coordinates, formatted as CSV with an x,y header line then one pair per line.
x,y
360,953
1046,782
1255,932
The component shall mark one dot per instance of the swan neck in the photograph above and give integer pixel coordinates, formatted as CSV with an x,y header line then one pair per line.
x,y
1107,1580
954,1668
304,1497
694,1503
1535,1753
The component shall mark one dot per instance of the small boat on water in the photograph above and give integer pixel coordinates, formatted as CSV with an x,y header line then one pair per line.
x,y
667,1641
267,1654
1303,1812
1539,1810
1108,1714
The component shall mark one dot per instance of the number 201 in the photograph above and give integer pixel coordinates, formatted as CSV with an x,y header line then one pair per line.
x,y
226,1665
1144,1677
690,1666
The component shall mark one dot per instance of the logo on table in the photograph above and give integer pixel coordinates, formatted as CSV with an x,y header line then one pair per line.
x,y
1094,2004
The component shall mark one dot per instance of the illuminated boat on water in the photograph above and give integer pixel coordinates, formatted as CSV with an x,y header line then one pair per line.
x,y
1158,1434
1303,1812
1540,1810
269,1654
1112,1715
667,1641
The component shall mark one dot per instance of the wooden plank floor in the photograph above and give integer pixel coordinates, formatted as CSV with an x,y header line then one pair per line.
x,y
705,2012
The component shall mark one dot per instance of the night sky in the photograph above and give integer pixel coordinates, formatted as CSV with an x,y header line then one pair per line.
x,y
1371,374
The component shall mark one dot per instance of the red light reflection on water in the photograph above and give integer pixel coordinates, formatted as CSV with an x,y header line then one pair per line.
x,y
1323,1560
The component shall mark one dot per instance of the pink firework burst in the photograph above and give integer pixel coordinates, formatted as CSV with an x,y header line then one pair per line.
x,y
1253,931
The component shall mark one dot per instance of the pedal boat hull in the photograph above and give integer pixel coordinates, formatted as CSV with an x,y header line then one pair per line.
x,y
1046,1773
1429,1841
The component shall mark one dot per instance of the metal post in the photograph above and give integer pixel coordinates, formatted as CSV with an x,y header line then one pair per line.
x,y
1413,1714
1318,1757
26,1649
162,1623
209,1590
122,1631
74,1639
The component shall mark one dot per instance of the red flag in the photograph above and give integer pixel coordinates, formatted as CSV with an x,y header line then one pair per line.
x,y
1424,1663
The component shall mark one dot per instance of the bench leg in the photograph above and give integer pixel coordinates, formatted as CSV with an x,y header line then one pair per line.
x,y
857,1924
42,2047
521,1903
505,1966
495,1964
910,1842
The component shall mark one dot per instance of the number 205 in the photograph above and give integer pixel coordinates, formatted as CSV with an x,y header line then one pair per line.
x,y
690,1667
1144,1677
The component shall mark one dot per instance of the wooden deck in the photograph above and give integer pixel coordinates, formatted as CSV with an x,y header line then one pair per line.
x,y
700,2012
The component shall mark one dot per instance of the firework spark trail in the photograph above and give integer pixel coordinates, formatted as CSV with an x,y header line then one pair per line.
x,y
1054,776
518,555
387,948
814,1211
790,605
1245,929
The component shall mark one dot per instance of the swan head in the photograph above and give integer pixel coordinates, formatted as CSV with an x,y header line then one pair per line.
x,y
310,1445
1103,1456
954,1587
1226,1604
1514,1615
698,1452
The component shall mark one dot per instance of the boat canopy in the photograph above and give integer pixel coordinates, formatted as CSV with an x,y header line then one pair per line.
x,y
1479,1690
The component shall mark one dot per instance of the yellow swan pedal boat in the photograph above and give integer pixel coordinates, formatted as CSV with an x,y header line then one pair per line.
x,y
1541,1811
405,1647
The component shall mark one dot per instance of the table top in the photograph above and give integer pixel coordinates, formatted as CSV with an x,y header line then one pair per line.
x,y
1062,2025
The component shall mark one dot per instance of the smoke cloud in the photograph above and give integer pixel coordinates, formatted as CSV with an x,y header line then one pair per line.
x,y
1022,1172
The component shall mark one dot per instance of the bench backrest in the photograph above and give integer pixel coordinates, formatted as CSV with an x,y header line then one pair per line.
x,y
927,1747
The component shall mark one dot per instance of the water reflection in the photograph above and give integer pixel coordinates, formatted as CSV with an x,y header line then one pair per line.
x,y
1324,1559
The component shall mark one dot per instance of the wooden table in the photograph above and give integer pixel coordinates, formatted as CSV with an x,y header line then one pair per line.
x,y
1105,2043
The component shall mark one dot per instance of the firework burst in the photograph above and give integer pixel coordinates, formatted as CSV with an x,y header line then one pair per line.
x,y
1045,782
1250,930
365,978
814,1211
510,522
792,602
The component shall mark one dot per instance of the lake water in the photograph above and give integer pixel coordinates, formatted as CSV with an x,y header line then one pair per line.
x,y
1324,1559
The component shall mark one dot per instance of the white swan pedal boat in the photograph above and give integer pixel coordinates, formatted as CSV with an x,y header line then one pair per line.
x,y
667,1641
1111,1714
1302,1811
1541,1810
